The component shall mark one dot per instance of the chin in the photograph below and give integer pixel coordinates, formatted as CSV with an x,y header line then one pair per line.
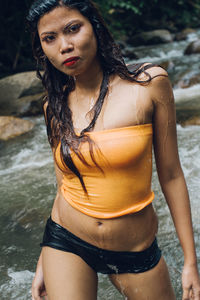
x,y
70,73
74,71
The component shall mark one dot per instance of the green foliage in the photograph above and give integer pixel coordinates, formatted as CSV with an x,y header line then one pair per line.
x,y
132,16
128,5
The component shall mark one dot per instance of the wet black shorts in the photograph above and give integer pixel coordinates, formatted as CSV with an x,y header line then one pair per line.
x,y
100,260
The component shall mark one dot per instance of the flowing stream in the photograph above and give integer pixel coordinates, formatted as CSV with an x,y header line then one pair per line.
x,y
27,190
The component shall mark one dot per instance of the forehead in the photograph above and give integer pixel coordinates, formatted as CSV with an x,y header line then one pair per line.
x,y
59,17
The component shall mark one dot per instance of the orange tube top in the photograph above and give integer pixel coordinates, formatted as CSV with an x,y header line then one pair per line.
x,y
124,187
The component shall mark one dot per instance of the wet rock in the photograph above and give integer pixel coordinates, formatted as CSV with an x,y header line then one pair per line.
x,y
11,127
14,88
192,121
122,42
193,48
30,105
128,52
189,79
154,37
187,104
181,36
191,95
184,115
168,65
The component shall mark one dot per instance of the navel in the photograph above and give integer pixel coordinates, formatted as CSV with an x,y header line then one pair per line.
x,y
99,223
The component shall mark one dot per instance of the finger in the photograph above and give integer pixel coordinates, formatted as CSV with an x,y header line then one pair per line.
x,y
36,298
191,296
186,294
35,294
43,293
196,294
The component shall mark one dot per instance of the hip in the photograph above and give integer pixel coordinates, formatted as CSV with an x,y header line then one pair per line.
x,y
101,260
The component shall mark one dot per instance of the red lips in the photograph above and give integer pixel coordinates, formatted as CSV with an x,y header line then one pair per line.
x,y
71,61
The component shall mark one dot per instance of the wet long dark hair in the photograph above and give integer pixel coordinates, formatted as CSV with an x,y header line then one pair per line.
x,y
59,85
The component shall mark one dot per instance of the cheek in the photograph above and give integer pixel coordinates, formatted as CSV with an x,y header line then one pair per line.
x,y
88,44
50,54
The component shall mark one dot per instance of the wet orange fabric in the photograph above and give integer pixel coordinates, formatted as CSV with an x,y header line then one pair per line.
x,y
124,187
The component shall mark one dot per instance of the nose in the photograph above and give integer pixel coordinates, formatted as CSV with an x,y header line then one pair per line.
x,y
66,45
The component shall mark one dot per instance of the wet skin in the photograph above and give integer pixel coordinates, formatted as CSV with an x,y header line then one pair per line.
x,y
64,34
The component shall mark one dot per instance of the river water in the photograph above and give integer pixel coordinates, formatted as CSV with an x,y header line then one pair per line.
x,y
27,190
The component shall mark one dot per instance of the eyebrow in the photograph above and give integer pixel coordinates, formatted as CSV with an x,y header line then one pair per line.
x,y
48,32
65,27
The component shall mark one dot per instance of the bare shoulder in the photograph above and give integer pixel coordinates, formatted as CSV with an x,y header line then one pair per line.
x,y
155,71
160,87
157,83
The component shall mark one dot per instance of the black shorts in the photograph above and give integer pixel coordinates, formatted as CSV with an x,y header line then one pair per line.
x,y
100,260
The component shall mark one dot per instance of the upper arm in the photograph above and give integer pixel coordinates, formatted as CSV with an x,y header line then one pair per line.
x,y
164,127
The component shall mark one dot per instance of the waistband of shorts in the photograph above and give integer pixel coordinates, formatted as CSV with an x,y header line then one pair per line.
x,y
56,226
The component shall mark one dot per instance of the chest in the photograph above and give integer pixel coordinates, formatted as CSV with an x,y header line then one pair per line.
x,y
125,104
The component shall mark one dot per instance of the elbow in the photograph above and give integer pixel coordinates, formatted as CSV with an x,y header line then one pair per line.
x,y
169,175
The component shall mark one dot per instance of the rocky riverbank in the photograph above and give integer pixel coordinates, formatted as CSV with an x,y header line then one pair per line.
x,y
20,96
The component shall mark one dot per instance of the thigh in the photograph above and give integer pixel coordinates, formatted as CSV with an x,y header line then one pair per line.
x,y
67,276
151,285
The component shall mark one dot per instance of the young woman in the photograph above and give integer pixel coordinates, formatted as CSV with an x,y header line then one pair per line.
x,y
101,121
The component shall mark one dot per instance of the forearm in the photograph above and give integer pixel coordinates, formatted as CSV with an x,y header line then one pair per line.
x,y
176,194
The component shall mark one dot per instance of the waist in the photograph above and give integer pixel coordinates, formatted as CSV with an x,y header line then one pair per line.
x,y
108,196
132,232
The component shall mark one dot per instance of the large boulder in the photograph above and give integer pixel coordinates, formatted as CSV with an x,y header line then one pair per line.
x,y
183,35
192,121
11,127
193,48
159,36
128,52
168,65
189,79
30,105
188,104
20,94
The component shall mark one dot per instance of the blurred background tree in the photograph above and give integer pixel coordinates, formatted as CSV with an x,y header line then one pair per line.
x,y
15,50
133,16
125,18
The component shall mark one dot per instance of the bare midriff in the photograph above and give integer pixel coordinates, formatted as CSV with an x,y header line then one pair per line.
x,y
133,232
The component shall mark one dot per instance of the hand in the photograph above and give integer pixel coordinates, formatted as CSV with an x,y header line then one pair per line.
x,y
191,283
38,287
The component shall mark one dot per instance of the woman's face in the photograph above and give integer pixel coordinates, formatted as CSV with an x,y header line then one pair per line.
x,y
68,40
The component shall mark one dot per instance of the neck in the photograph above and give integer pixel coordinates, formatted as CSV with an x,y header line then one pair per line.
x,y
90,81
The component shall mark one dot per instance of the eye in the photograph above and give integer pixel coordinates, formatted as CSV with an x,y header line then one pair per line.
x,y
48,38
74,28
